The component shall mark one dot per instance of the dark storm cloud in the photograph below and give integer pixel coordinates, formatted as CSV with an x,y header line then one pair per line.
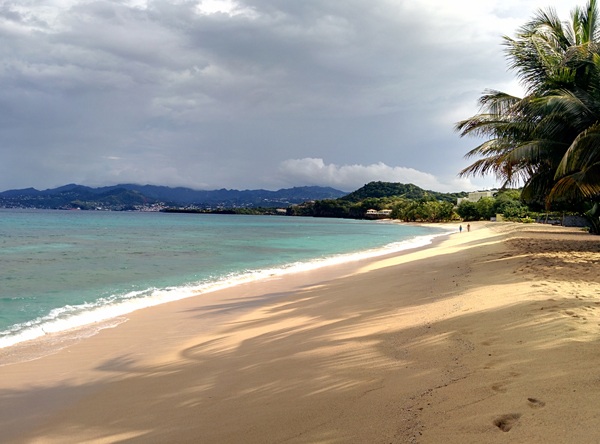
x,y
245,94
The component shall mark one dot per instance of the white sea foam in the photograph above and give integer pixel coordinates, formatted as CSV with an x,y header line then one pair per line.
x,y
89,318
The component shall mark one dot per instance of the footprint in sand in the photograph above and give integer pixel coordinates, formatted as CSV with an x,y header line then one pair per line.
x,y
507,422
500,388
535,403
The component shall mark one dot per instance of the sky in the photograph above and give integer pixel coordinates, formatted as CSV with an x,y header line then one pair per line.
x,y
249,94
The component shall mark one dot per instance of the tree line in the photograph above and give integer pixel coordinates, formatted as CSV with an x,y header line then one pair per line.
x,y
426,207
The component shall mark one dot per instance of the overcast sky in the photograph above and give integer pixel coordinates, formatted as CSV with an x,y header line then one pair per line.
x,y
248,94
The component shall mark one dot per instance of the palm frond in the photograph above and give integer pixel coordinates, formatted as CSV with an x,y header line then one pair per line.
x,y
550,138
537,186
583,152
583,184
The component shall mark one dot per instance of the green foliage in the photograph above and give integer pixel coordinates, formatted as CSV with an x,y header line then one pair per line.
x,y
407,202
331,208
391,189
423,210
486,207
550,138
512,211
508,203
468,211
593,216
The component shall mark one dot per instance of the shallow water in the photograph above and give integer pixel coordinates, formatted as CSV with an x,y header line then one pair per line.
x,y
64,269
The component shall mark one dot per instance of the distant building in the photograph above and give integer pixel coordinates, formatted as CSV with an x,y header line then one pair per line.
x,y
475,196
378,214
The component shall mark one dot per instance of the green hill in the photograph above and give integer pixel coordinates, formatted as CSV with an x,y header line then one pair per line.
x,y
391,189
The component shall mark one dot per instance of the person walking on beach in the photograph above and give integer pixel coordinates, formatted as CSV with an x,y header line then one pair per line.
x,y
468,228
460,228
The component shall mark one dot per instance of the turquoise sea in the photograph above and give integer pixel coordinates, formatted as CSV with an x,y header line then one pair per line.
x,y
61,270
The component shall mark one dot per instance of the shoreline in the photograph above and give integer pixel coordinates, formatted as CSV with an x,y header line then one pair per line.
x,y
485,336
53,332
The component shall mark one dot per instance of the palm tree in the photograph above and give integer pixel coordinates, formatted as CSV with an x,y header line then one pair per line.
x,y
550,138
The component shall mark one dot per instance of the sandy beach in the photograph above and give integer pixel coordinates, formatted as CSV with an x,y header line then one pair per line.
x,y
487,336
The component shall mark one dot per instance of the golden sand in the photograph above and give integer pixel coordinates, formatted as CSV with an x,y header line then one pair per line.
x,y
489,336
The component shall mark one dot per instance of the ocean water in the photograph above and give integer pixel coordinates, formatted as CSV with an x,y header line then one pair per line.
x,y
61,270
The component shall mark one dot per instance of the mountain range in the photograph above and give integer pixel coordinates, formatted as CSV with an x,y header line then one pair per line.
x,y
132,196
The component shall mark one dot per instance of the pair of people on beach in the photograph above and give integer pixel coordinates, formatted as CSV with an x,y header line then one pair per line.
x,y
468,228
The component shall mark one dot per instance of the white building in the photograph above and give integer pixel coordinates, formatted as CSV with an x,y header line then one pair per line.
x,y
381,214
475,196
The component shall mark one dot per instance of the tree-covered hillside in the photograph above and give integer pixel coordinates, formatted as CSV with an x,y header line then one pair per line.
x,y
409,203
132,196
406,202
391,189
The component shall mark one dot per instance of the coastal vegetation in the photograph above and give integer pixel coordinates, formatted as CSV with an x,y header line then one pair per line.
x,y
407,202
375,200
410,203
507,203
549,139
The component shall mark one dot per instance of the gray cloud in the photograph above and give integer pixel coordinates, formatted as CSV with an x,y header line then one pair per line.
x,y
247,94
351,177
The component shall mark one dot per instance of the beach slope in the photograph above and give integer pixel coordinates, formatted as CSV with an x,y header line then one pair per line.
x,y
488,336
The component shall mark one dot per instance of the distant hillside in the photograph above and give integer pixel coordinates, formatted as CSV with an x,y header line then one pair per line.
x,y
233,198
377,196
131,196
392,189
